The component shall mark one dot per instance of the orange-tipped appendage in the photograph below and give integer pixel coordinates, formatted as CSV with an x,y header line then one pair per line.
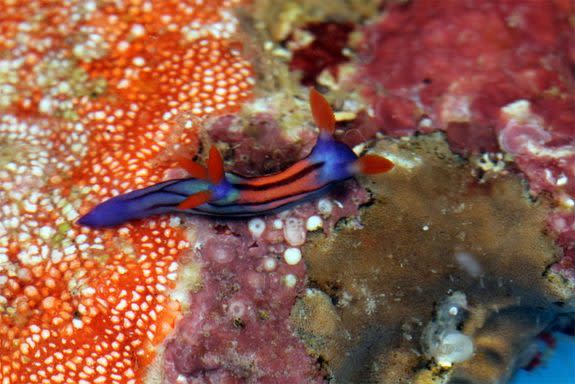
x,y
215,166
195,200
373,164
321,112
194,169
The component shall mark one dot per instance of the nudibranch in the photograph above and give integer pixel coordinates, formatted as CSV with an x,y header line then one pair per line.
x,y
212,192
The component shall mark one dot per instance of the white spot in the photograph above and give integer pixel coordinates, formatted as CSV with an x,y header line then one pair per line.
x,y
257,227
29,207
290,280
56,256
236,309
292,256
455,108
313,223
45,105
222,255
294,232
270,264
455,347
468,263
123,304
425,123
425,227
137,30
325,207
278,224
46,232
519,109
139,61
565,201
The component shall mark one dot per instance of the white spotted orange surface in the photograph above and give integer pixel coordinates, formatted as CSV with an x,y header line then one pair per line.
x,y
90,94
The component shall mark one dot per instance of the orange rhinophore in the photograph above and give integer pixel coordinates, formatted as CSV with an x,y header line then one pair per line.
x,y
373,164
215,166
321,111
194,169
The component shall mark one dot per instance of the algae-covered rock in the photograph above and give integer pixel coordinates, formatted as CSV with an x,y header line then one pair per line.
x,y
432,230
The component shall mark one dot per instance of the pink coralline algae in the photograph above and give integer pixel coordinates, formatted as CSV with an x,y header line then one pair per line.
x,y
259,148
493,75
246,298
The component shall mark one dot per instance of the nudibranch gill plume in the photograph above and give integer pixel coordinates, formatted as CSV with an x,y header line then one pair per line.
x,y
212,192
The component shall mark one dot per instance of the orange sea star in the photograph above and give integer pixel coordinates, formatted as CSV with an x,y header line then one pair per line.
x,y
90,94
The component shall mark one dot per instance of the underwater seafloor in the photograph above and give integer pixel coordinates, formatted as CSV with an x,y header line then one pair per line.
x,y
457,267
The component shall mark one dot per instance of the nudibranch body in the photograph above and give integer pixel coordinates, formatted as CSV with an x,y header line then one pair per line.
x,y
213,192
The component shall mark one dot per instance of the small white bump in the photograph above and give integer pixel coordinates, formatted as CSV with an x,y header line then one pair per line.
x,y
313,223
325,207
292,256
137,30
270,264
77,323
139,61
257,227
294,231
290,280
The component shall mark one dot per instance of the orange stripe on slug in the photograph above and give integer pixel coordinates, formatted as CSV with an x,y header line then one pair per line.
x,y
195,200
278,177
373,164
321,111
305,184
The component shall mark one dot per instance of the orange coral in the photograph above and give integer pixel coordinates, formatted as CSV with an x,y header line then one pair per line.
x,y
94,90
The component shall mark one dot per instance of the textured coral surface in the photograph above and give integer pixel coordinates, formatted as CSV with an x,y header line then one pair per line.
x,y
98,97
92,92
492,74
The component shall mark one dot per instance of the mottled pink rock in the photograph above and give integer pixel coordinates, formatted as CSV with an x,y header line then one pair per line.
x,y
492,75
260,147
457,63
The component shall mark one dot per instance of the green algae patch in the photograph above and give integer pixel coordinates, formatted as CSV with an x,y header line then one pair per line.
x,y
433,229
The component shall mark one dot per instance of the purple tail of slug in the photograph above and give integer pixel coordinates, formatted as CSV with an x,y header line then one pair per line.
x,y
155,200
113,212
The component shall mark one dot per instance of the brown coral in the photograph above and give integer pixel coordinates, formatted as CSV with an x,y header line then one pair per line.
x,y
432,230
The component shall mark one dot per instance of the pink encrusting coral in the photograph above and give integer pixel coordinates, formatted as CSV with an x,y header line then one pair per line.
x,y
252,274
260,147
493,75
